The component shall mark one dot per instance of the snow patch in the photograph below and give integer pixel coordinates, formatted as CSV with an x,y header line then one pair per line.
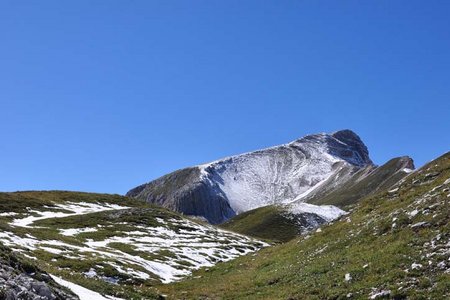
x,y
188,245
75,231
327,212
81,292
75,208
379,294
7,214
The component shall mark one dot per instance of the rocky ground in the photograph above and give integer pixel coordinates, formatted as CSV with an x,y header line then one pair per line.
x,y
19,280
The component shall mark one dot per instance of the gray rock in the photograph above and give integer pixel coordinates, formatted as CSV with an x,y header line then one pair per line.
x,y
18,284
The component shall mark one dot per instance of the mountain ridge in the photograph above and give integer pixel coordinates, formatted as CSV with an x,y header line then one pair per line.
x,y
223,188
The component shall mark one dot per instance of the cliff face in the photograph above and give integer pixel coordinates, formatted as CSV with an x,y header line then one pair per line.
x,y
185,191
221,189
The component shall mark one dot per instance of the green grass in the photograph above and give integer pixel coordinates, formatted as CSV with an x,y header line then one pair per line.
x,y
20,201
74,262
363,244
268,223
114,223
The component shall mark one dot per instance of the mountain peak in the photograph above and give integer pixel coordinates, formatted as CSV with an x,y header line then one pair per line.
x,y
223,188
343,144
345,134
354,142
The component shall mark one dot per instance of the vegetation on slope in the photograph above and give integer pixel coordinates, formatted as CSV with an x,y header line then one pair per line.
x,y
393,245
272,223
70,267
362,184
123,251
20,202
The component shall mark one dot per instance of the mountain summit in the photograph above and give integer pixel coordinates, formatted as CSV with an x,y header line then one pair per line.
x,y
221,189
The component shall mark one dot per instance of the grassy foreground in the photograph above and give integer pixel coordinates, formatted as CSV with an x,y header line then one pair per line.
x,y
392,245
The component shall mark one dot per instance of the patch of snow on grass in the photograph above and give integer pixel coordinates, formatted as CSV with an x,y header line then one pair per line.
x,y
79,208
81,292
379,294
75,231
10,239
413,213
51,250
328,212
187,249
167,252
7,214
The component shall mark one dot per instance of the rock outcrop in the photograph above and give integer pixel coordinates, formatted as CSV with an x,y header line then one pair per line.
x,y
19,280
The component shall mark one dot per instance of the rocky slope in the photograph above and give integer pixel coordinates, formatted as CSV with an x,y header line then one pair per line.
x,y
20,280
219,190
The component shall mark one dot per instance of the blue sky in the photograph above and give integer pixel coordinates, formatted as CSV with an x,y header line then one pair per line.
x,y
105,95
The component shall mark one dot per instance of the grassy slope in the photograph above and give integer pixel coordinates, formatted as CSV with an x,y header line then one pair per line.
x,y
366,244
269,222
264,222
73,269
69,268
354,190
113,224
20,201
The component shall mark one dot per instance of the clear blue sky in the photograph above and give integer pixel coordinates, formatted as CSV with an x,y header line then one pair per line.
x,y
105,95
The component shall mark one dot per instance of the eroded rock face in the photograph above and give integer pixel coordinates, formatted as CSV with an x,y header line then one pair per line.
x,y
221,189
185,191
18,281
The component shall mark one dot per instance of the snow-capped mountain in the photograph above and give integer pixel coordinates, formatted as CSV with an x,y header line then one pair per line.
x,y
282,174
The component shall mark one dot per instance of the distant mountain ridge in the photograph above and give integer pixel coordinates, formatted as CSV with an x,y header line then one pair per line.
x,y
282,174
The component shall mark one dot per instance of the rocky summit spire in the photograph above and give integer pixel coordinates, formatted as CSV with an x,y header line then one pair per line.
x,y
355,144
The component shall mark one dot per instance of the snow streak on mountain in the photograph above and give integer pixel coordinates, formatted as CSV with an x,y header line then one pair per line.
x,y
221,189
